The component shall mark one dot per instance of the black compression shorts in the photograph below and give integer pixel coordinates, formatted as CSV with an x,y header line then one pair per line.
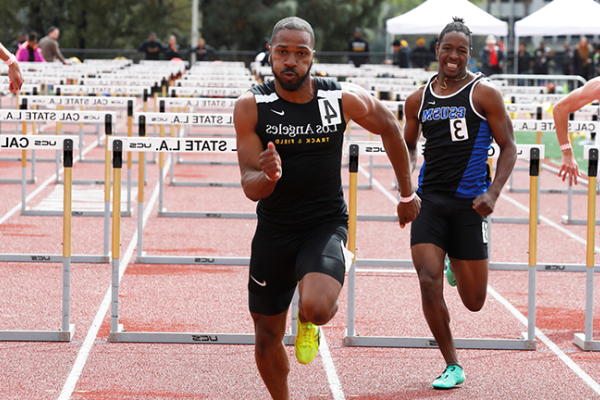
x,y
452,224
281,258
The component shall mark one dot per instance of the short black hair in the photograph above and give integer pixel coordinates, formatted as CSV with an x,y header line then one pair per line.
x,y
296,24
396,42
31,36
52,29
457,25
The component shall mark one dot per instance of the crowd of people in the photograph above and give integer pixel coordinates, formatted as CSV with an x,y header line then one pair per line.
x,y
583,59
154,49
27,48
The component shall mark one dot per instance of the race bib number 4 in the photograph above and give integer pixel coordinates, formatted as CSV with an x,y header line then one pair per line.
x,y
458,129
330,111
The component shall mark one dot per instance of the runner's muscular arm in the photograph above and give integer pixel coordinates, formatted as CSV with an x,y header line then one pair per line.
x,y
260,169
569,104
412,127
489,102
372,115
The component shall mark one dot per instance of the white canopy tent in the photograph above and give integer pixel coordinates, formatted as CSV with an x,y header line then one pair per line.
x,y
561,17
433,15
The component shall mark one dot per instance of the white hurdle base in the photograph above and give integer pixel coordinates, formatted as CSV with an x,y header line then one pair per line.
x,y
199,260
199,214
54,258
587,345
38,336
570,221
485,344
187,338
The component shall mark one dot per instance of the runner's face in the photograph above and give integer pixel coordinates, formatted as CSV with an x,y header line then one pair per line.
x,y
453,54
291,58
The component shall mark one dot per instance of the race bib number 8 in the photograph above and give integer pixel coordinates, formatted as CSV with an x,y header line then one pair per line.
x,y
458,129
330,111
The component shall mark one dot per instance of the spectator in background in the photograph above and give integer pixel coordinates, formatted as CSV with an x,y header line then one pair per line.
x,y
360,49
16,45
29,50
420,56
172,49
203,51
566,66
567,60
401,56
540,60
525,62
151,47
596,61
405,61
262,54
49,46
491,57
582,59
432,51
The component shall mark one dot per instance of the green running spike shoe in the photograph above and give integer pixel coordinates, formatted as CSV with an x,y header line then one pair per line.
x,y
307,343
453,375
449,273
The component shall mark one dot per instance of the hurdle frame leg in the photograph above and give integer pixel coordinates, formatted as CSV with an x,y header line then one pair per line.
x,y
585,341
67,330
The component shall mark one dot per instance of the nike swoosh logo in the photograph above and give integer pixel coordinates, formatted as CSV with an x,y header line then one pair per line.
x,y
282,112
263,283
431,102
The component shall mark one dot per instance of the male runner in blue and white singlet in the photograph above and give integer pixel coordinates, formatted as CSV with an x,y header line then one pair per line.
x,y
459,113
289,144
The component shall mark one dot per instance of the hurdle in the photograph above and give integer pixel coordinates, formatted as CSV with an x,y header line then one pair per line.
x,y
189,145
537,110
193,103
66,332
527,340
60,116
144,144
118,334
567,219
585,340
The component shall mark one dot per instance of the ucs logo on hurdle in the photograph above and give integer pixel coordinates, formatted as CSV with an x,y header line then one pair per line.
x,y
205,338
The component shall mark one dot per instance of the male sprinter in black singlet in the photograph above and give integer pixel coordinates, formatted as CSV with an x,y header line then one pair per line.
x,y
459,113
289,144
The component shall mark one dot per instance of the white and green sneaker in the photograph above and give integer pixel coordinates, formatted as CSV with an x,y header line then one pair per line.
x,y
453,375
449,273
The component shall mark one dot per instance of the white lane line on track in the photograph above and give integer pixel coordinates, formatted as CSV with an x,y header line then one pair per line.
x,y
551,345
332,377
563,357
90,338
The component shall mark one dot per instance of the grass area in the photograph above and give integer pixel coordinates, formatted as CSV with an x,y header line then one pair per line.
x,y
551,149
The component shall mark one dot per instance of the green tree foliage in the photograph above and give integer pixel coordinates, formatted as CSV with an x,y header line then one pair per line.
x,y
242,24
97,24
226,24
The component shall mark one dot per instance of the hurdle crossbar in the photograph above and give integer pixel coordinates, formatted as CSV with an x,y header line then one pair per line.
x,y
527,341
67,330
